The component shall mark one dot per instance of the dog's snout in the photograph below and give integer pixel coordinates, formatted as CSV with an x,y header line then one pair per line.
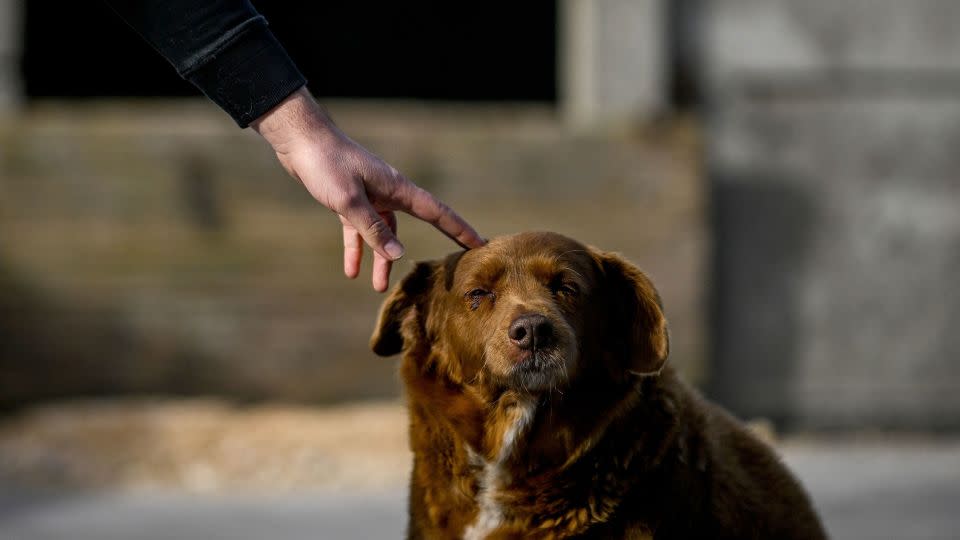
x,y
530,331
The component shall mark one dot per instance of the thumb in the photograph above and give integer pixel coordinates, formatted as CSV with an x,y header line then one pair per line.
x,y
374,230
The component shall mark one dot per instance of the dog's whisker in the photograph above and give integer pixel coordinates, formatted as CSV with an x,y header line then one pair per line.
x,y
569,251
567,268
480,371
523,383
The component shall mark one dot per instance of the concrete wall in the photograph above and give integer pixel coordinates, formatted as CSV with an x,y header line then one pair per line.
x,y
833,131
612,61
10,84
156,248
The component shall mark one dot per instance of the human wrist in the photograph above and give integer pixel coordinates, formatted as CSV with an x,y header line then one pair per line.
x,y
295,117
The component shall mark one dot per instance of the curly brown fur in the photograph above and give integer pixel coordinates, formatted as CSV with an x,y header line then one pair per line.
x,y
541,407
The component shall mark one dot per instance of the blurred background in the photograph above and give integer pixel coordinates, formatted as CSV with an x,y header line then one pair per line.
x,y
180,356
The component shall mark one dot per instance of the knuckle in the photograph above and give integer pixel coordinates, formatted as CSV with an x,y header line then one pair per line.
x,y
442,211
355,198
378,229
351,199
396,183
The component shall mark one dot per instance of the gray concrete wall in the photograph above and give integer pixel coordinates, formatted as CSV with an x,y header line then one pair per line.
x,y
156,248
612,61
10,84
833,133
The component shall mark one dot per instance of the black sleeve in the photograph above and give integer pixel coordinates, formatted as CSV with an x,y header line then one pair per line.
x,y
223,47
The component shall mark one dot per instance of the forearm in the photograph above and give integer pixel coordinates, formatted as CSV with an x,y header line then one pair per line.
x,y
223,47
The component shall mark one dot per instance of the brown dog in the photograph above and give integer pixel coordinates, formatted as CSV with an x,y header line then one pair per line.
x,y
540,407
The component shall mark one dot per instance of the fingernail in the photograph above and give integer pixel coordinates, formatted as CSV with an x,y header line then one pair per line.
x,y
394,249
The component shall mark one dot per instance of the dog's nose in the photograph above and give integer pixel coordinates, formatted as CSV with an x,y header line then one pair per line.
x,y
530,331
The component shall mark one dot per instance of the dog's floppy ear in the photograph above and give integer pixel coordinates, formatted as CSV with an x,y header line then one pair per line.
x,y
636,314
387,338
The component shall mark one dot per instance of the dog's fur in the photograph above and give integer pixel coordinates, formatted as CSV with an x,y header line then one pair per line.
x,y
587,434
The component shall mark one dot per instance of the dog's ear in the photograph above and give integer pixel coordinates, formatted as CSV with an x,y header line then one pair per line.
x,y
410,293
636,314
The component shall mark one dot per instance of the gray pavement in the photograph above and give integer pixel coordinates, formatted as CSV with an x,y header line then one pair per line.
x,y
863,490
169,516
903,491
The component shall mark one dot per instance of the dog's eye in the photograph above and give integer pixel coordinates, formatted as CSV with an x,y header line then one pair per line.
x,y
476,296
568,288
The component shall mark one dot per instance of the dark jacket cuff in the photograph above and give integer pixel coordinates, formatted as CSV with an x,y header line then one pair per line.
x,y
247,76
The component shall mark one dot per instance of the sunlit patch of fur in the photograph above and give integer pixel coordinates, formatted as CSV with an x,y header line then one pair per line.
x,y
494,475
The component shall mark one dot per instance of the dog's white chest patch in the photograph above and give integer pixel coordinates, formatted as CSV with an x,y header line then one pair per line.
x,y
493,475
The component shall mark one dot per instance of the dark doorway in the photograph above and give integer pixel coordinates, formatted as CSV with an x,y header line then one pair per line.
x,y
489,51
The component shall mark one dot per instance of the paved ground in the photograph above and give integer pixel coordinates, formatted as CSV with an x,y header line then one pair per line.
x,y
883,490
865,490
192,517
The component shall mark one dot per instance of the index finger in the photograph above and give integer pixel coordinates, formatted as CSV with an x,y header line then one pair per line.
x,y
423,205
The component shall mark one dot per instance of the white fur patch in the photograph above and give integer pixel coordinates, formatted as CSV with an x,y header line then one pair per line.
x,y
490,515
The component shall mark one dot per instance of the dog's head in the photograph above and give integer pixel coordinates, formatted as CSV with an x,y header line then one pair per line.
x,y
527,312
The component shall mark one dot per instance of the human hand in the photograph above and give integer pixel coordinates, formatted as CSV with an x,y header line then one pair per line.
x,y
360,187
